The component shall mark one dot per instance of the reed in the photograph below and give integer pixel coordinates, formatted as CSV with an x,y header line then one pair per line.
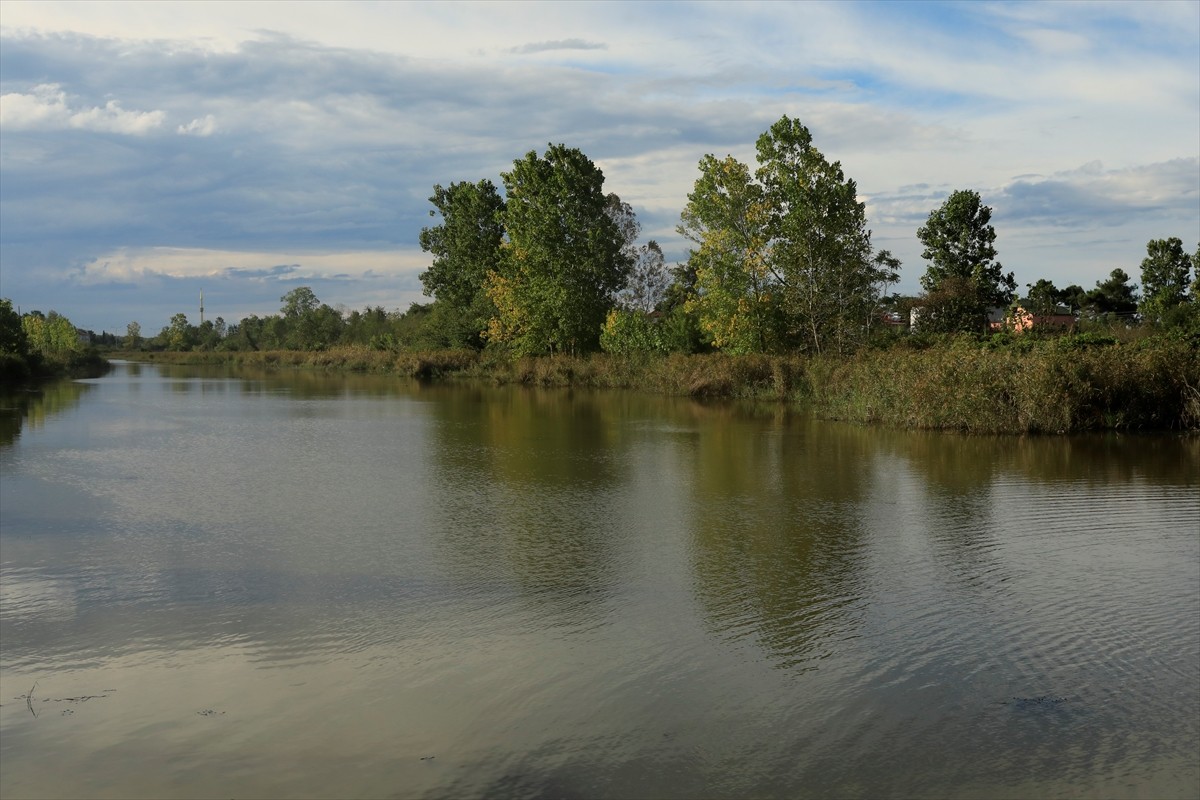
x,y
1001,385
1053,386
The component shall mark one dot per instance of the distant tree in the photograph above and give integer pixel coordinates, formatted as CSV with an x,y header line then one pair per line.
x,y
179,335
133,336
887,272
371,327
1042,298
680,327
12,335
1074,296
1113,297
308,324
210,335
276,333
951,307
648,280
51,335
959,245
1165,278
564,260
466,247
298,302
245,335
411,329
628,226
682,287
206,338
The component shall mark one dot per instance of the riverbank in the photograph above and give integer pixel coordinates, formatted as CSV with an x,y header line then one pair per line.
x,y
17,369
1063,385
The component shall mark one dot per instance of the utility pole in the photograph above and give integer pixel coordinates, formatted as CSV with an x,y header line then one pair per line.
x,y
201,306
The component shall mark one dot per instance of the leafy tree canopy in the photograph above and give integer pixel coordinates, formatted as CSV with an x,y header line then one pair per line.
x,y
784,257
820,245
565,258
466,247
726,216
959,243
12,334
1114,296
1165,277
51,334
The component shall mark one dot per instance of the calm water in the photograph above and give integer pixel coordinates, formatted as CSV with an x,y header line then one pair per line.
x,y
298,585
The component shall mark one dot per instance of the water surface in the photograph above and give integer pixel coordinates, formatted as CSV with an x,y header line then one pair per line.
x,y
302,585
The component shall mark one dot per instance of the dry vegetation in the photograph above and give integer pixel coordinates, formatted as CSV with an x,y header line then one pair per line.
x,y
1057,385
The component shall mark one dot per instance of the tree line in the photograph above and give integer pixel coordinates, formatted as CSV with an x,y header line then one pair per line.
x,y
781,260
35,344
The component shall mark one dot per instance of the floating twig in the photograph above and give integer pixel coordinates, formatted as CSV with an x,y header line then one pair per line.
x,y
1045,700
29,699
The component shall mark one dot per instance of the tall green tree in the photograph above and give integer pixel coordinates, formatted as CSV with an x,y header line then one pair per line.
x,y
1165,278
784,256
734,293
960,247
133,336
12,334
179,335
51,335
308,324
466,247
1074,296
371,327
820,248
563,261
298,302
1112,297
1042,298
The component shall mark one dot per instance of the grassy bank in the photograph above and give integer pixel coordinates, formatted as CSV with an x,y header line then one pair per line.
x,y
713,375
1061,385
1058,386
16,368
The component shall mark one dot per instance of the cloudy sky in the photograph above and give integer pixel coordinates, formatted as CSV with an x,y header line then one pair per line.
x,y
151,150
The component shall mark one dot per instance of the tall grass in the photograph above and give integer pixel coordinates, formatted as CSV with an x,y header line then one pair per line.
x,y
429,364
1055,386
1067,384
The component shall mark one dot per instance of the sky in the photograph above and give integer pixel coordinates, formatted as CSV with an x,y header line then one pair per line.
x,y
151,151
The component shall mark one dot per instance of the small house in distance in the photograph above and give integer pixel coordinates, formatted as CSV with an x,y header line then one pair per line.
x,y
1015,319
1060,319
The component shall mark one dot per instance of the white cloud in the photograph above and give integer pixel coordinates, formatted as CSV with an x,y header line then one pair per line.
x,y
45,107
113,119
560,44
204,126
132,264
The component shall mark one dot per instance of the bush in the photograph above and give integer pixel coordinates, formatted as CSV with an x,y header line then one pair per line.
x,y
626,332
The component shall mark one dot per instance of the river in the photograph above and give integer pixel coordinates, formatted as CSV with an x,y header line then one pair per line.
x,y
291,584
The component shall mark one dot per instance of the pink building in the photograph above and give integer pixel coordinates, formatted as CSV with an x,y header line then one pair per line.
x,y
1021,320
